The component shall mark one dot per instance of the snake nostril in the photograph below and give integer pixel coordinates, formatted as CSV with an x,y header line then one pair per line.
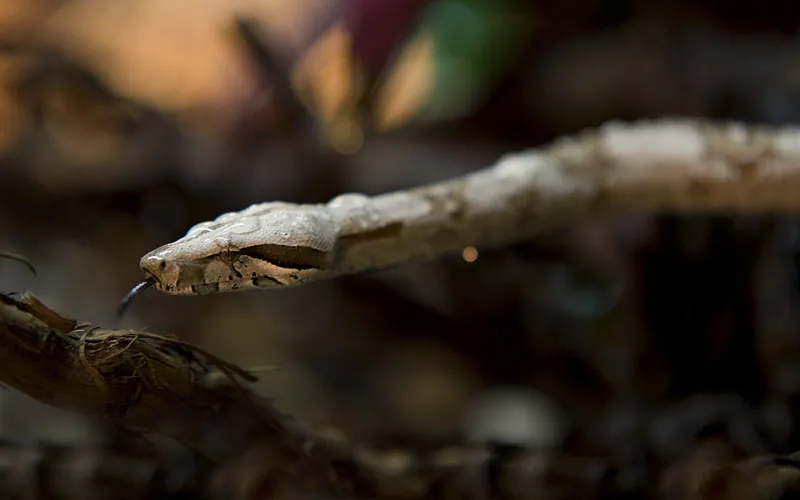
x,y
154,265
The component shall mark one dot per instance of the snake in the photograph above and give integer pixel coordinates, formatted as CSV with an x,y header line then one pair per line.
x,y
665,165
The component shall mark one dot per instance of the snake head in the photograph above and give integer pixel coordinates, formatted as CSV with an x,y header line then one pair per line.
x,y
264,246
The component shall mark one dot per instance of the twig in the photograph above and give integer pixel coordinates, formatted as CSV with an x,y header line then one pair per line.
x,y
153,383
664,166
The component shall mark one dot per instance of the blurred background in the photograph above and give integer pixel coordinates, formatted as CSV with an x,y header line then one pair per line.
x,y
634,344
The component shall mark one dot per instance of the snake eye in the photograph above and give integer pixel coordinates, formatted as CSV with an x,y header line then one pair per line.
x,y
163,265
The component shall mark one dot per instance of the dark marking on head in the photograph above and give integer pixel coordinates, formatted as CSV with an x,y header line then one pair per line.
x,y
205,288
261,281
192,273
289,257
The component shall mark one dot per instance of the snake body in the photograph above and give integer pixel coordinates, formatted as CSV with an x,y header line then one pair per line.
x,y
660,166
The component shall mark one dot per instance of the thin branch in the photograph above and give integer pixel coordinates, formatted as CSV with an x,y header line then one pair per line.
x,y
152,383
663,166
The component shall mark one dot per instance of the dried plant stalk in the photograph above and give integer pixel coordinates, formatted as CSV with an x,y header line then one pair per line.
x,y
155,384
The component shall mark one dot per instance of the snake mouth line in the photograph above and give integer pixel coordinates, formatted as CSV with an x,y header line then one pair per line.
x,y
235,284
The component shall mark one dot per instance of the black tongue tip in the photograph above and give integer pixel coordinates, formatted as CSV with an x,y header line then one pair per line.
x,y
135,291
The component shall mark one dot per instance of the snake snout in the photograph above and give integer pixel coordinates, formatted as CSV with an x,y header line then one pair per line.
x,y
159,270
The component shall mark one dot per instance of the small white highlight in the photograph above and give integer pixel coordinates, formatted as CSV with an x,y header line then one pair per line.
x,y
664,141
